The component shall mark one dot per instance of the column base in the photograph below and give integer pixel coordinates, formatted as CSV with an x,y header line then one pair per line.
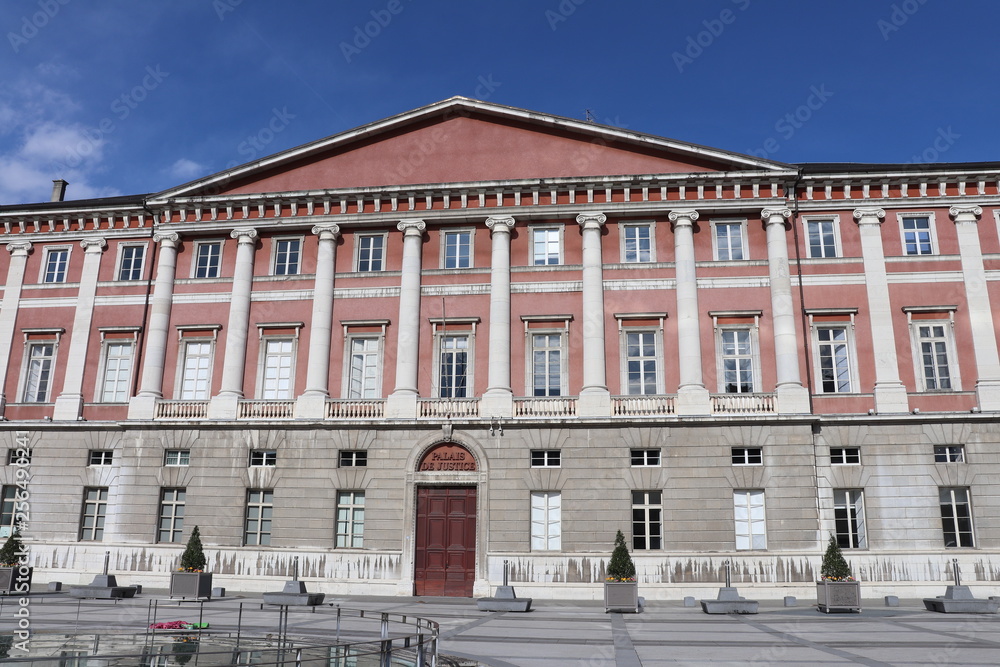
x,y
693,400
988,395
224,406
497,403
594,403
791,399
68,408
310,406
142,406
400,405
891,398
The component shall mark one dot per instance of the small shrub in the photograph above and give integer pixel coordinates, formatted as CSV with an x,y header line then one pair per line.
x,y
835,567
10,554
621,567
193,559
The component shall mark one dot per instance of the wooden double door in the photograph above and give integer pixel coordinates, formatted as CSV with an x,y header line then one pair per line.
x,y
445,559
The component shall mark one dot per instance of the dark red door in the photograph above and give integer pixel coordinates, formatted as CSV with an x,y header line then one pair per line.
x,y
445,561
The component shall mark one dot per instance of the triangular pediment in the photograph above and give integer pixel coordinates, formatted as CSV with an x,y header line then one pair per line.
x,y
461,140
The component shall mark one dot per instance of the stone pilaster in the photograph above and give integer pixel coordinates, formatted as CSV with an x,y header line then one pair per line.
x,y
8,310
498,401
692,396
595,399
402,402
312,403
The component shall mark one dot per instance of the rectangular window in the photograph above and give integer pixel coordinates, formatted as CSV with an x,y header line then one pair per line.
x,y
171,515
933,342
546,521
38,378
647,520
845,456
177,457
117,372
350,519
834,360
747,456
260,507
365,368
279,360
101,457
546,364
751,530
56,261
642,369
546,246
729,240
637,243
197,371
8,515
956,517
371,252
207,260
287,255
917,235
353,458
822,238
453,366
95,510
642,458
737,361
18,456
263,457
949,454
545,458
130,267
849,517
458,250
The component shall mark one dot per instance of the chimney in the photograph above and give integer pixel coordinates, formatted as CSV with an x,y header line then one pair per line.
x,y
58,189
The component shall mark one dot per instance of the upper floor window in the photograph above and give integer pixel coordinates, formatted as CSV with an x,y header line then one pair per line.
x,y
822,238
933,345
39,365
130,262
353,458
207,259
363,349
117,371
834,351
101,457
949,454
845,456
370,252
644,458
546,364
278,365
637,243
287,256
729,239
454,346
177,457
747,456
546,245
546,458
195,377
641,353
260,458
457,251
56,262
918,234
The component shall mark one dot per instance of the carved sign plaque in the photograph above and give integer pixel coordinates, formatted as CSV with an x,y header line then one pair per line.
x,y
447,457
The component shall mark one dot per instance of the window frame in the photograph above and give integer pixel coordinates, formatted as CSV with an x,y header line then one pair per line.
x,y
950,454
101,457
124,382
120,266
443,249
277,393
182,454
724,322
189,335
647,512
454,327
545,458
834,220
623,228
955,519
262,458
8,509
750,522
630,324
846,454
25,383
275,252
644,455
546,325
856,534
940,316
533,255
94,532
173,519
840,319
261,537
47,259
545,530
352,458
363,330
932,241
739,223
353,520
358,249
196,259
746,456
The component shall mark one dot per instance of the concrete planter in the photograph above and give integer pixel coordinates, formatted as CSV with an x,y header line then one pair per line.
x,y
191,585
15,580
621,596
837,596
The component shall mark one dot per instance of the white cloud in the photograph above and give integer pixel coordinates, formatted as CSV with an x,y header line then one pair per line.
x,y
187,169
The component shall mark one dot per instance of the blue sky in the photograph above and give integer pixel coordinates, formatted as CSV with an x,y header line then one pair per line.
x,y
134,96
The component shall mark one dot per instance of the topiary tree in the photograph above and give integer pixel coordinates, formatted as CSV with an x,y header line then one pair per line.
x,y
10,554
621,567
193,559
835,567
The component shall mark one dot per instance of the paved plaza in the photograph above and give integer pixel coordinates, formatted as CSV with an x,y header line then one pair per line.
x,y
574,633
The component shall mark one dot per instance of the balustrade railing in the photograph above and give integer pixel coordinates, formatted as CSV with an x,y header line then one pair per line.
x,y
181,410
266,409
562,406
742,403
642,406
355,409
448,407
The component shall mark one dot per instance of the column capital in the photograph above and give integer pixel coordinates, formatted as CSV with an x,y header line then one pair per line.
x,y
167,238
501,224
683,217
93,245
328,232
19,249
244,234
869,216
412,227
591,220
775,215
967,213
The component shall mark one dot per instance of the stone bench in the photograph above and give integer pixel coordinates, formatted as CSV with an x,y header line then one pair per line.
x,y
959,600
729,602
294,594
103,587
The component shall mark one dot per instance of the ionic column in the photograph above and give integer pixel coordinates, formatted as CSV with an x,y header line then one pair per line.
x,y
143,405
977,298
498,401
595,399
402,402
226,404
69,404
791,397
312,403
692,396
8,309
890,394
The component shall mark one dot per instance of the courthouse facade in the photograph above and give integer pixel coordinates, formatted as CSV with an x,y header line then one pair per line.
x,y
472,334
